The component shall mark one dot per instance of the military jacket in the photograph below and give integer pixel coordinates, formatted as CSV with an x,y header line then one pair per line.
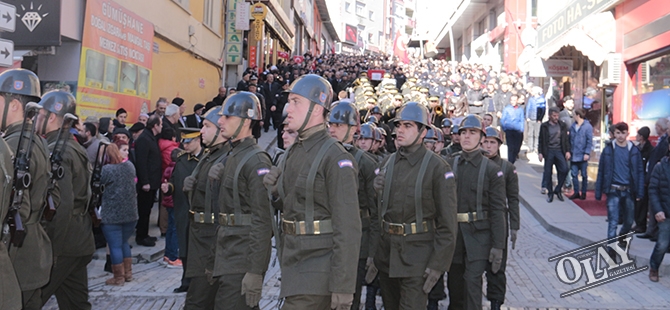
x,y
10,292
480,236
245,248
32,261
511,190
410,255
325,263
208,159
367,201
70,230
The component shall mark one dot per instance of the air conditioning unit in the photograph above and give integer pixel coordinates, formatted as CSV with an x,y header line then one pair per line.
x,y
644,73
610,73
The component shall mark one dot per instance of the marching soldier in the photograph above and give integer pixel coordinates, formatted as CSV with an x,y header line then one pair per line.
x,y
33,258
316,189
496,282
437,112
202,192
391,112
366,139
481,218
186,162
455,145
70,230
343,123
10,292
418,215
243,244
446,130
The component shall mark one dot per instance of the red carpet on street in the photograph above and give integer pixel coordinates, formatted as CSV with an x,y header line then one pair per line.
x,y
592,206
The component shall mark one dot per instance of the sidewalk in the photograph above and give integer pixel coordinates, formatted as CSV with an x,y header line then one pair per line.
x,y
567,220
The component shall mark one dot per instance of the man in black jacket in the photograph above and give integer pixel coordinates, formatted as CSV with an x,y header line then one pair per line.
x,y
271,90
148,169
554,145
660,151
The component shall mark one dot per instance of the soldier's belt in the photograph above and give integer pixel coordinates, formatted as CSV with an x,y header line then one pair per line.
x,y
200,217
299,228
231,220
471,217
406,229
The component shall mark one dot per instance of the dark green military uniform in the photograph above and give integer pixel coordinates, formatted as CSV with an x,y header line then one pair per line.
x,y
369,215
10,292
496,282
32,261
452,149
477,233
404,250
184,166
322,260
202,231
244,236
70,230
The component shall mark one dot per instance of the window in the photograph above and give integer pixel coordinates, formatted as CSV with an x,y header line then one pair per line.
x,y
371,15
481,27
347,7
210,18
182,3
493,19
369,37
533,8
208,15
360,9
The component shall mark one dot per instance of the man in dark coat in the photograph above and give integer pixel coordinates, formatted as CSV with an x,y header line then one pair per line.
x,y
148,168
195,120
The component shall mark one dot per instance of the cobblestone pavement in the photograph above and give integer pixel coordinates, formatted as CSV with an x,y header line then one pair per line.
x,y
532,282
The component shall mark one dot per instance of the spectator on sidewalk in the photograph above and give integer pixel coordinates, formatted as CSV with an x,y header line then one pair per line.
x,y
554,147
567,117
148,169
660,151
195,120
120,120
118,211
621,177
161,105
168,143
512,123
220,97
581,144
642,207
659,207
534,114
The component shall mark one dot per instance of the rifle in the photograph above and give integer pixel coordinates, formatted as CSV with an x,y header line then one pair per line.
x,y
57,170
22,177
96,188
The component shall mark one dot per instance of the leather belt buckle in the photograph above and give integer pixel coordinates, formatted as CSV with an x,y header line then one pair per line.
x,y
414,230
396,229
288,227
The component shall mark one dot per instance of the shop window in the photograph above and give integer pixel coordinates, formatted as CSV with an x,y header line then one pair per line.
x,y
182,3
650,92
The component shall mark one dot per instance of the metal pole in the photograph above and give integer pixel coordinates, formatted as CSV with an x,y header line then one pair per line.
x,y
451,42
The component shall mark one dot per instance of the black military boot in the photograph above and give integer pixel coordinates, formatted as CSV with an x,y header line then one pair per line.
x,y
432,304
495,304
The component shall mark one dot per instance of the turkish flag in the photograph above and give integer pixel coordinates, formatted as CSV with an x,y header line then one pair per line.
x,y
282,55
400,48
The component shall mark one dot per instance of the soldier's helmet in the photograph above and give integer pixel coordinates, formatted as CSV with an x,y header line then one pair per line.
x,y
371,119
20,82
492,132
243,105
367,131
379,136
471,121
59,102
213,115
446,123
376,110
440,135
343,112
313,87
454,129
413,111
431,134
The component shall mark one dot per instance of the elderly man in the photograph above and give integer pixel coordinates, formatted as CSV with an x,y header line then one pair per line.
x,y
161,105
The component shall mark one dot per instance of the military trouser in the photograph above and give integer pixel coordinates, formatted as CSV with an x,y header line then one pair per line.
x,y
465,284
32,299
302,302
229,294
496,283
402,293
360,278
69,282
201,294
437,293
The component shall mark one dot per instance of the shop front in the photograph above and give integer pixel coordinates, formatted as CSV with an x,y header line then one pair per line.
x,y
644,41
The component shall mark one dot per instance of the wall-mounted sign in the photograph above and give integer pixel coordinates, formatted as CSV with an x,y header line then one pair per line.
x,y
38,23
241,20
259,11
570,16
350,34
234,36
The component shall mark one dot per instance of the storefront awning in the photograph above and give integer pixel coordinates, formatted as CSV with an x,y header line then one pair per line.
x,y
594,37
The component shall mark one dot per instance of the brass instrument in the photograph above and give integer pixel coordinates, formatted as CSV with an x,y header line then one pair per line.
x,y
439,110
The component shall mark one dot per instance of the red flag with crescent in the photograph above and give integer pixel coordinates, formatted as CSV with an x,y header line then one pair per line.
x,y
400,48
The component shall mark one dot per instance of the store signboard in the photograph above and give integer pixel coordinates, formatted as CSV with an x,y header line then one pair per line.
x,y
116,61
234,36
550,67
573,13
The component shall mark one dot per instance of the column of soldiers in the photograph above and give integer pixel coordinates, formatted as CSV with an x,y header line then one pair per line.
x,y
47,240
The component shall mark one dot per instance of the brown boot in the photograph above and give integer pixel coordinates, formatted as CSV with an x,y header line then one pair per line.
x,y
118,278
128,268
653,275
